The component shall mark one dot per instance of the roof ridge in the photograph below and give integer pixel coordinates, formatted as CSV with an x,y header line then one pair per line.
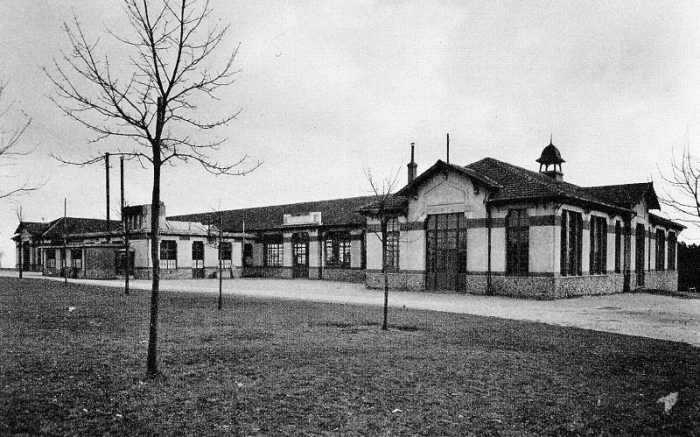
x,y
618,185
369,197
532,176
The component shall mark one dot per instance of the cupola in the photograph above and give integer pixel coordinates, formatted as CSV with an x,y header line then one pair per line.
x,y
550,162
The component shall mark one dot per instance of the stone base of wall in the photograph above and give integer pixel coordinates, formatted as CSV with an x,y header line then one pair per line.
x,y
343,275
75,273
187,273
314,273
661,280
268,272
588,285
397,281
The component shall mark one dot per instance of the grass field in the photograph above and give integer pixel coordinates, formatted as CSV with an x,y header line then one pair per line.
x,y
293,368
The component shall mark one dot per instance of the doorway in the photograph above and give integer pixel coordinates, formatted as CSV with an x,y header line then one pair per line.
x,y
300,255
639,254
197,259
446,251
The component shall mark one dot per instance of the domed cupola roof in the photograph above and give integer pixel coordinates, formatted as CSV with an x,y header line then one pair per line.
x,y
550,155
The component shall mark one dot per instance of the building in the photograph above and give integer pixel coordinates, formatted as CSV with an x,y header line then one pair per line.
x,y
488,228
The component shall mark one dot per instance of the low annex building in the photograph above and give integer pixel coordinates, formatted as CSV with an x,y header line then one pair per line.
x,y
488,228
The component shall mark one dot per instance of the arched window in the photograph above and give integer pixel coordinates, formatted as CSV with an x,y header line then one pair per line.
x,y
517,242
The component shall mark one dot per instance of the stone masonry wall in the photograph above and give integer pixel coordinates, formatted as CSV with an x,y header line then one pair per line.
x,y
344,275
397,281
571,286
661,280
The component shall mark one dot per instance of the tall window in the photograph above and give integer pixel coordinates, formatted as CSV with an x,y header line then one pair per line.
x,y
168,254
672,251
660,249
517,242
198,254
338,250
225,250
618,247
599,244
571,247
274,251
51,258
76,258
393,234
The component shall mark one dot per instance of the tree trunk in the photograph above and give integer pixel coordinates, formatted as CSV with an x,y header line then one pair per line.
x,y
386,277
152,360
21,249
221,270
152,364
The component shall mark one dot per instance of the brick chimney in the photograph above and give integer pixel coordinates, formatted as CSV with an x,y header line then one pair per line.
x,y
412,166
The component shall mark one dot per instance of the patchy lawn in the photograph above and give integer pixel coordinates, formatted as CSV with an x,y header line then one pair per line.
x,y
295,368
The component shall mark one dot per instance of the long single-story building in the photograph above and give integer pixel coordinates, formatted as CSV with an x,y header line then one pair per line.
x,y
488,228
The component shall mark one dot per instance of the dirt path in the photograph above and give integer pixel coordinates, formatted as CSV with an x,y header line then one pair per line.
x,y
647,315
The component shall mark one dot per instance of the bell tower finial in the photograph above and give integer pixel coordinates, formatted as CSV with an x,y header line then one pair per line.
x,y
551,157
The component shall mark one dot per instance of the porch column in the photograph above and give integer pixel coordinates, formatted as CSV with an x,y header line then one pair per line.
x,y
315,257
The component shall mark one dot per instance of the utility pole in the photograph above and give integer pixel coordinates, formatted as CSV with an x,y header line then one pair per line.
x,y
109,223
127,258
65,250
221,277
21,244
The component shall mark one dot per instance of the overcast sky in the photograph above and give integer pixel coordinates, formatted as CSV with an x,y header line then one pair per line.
x,y
330,88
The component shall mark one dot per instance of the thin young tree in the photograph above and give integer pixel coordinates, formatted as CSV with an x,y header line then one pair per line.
x,y
386,209
682,187
11,147
150,101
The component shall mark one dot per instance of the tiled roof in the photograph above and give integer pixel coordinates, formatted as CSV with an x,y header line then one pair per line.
x,y
333,212
75,225
390,205
663,221
627,195
520,184
444,166
34,228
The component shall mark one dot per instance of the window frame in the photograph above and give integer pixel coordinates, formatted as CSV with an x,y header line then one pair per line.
x,y
273,251
660,260
225,254
618,247
168,254
671,247
571,244
518,243
73,259
198,254
337,250
598,249
393,237
50,258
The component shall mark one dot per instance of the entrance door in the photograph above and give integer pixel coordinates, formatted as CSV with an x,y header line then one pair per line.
x,y
446,252
26,261
300,255
639,254
197,259
247,254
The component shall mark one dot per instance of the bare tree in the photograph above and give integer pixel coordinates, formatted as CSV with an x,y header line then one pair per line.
x,y
10,147
154,105
682,191
386,208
